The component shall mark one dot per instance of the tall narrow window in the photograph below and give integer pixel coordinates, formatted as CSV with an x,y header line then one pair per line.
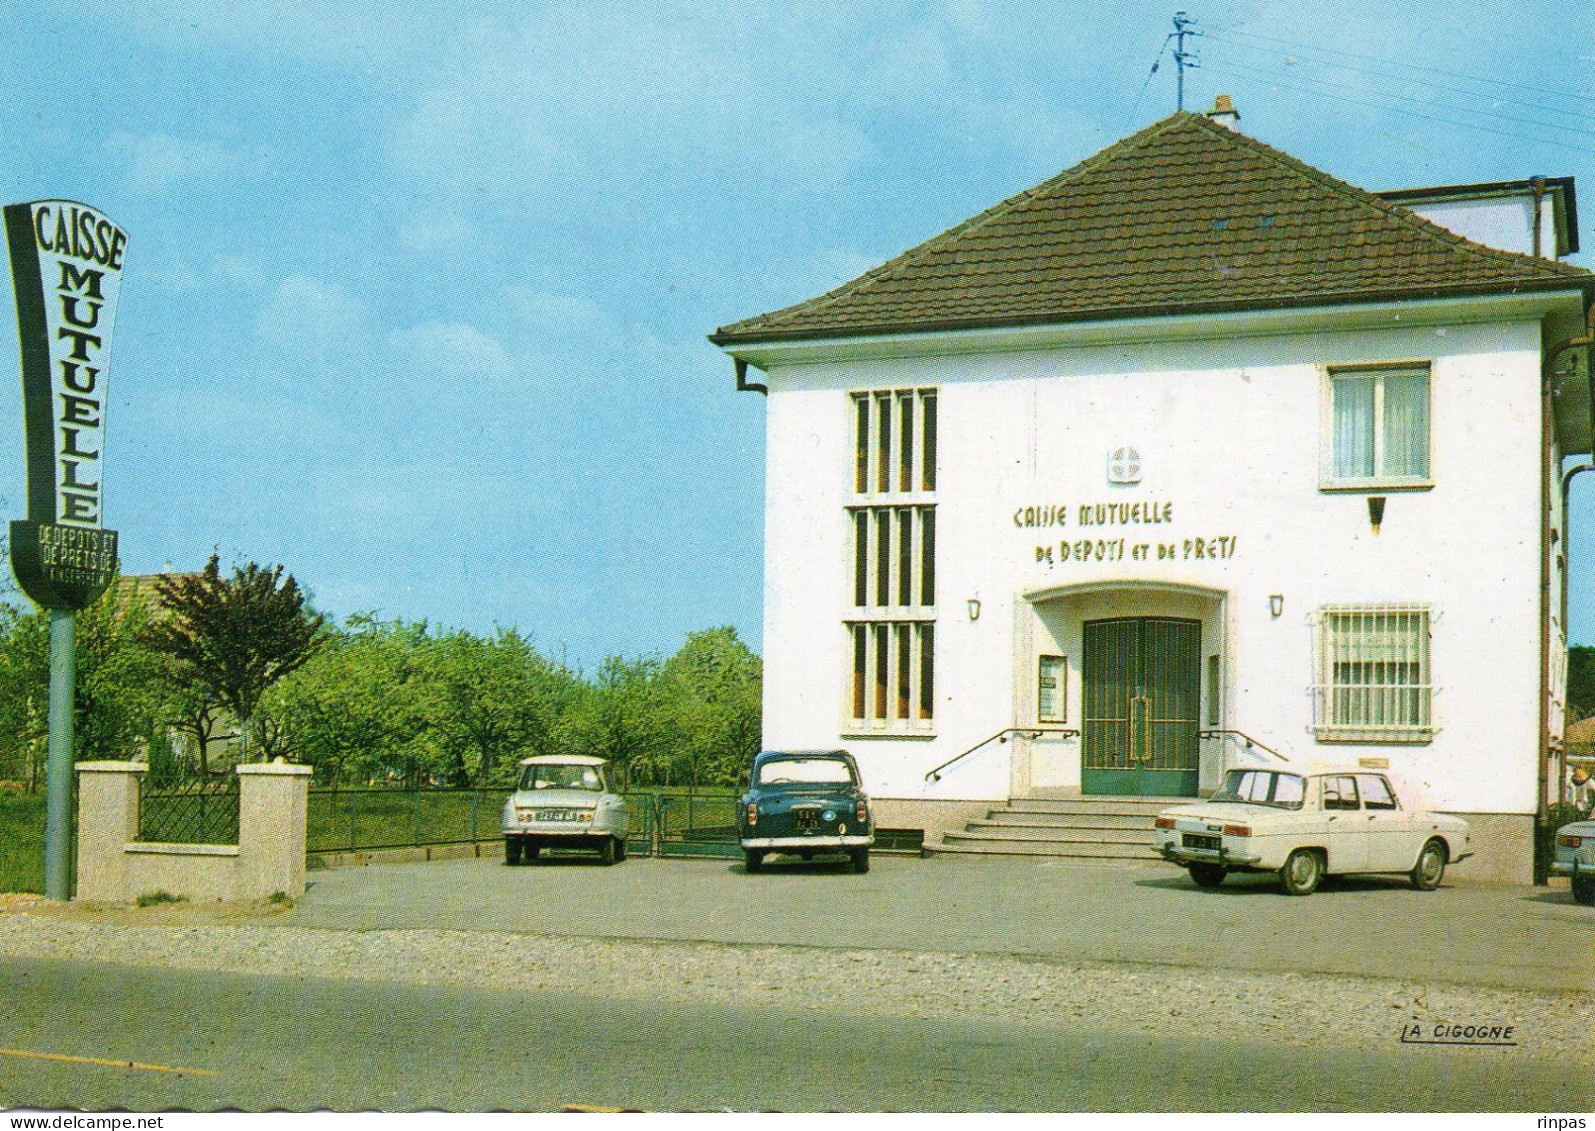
x,y
861,444
1215,691
905,443
892,540
883,433
1378,427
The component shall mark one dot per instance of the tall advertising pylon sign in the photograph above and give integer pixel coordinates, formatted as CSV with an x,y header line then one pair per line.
x,y
66,268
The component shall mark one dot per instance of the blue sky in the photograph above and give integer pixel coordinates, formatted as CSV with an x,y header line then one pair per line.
x,y
416,295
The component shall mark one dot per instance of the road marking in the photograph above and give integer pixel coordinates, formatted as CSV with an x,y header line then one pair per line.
x,y
107,1063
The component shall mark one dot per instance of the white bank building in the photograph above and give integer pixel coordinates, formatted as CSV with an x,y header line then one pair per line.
x,y
1190,457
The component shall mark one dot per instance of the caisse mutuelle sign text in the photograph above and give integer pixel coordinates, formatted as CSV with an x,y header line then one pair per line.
x,y
66,268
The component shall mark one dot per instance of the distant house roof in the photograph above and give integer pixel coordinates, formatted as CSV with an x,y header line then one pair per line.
x,y
1185,216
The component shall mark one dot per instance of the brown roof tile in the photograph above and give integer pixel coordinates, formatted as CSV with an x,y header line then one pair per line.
x,y
1184,216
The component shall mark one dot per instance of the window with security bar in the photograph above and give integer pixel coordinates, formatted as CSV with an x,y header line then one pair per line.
x,y
1378,427
890,628
1374,681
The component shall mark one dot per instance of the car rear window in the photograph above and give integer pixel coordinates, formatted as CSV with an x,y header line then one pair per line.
x,y
808,771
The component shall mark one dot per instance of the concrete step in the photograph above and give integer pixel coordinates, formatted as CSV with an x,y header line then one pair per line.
x,y
1016,816
1059,832
1060,850
1150,805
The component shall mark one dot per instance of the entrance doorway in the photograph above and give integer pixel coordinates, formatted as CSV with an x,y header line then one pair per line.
x,y
1142,688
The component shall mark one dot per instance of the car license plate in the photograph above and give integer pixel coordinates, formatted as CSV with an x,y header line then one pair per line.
x,y
556,815
1197,840
807,818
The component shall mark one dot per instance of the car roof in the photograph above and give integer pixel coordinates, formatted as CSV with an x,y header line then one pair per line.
x,y
563,760
1314,769
770,755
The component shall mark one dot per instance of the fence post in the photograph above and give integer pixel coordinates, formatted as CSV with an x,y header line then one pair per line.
x,y
351,820
415,820
475,796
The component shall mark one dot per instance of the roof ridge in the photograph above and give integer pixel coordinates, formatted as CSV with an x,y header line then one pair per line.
x,y
1390,209
901,259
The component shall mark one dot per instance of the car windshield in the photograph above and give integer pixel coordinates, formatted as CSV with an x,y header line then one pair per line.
x,y
1262,787
807,771
562,777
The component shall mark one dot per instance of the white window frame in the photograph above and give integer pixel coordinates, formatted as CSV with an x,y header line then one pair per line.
x,y
1374,712
1379,480
879,497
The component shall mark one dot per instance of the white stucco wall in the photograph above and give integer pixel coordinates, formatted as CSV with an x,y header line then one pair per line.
x,y
1229,432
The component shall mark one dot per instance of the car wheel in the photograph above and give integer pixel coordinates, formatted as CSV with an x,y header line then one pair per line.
x,y
620,850
1426,873
512,851
1208,875
752,859
532,850
606,850
860,860
1584,890
1303,869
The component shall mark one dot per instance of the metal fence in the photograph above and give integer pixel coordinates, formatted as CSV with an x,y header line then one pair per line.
x,y
189,811
350,820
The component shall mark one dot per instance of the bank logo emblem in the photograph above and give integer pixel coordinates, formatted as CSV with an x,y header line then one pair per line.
x,y
1124,465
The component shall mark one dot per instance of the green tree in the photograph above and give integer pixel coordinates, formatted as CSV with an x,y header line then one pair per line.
x,y
488,701
624,715
117,704
358,708
232,638
1580,681
713,689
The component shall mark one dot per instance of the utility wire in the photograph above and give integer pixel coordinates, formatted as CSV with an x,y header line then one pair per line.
x,y
1155,62
1220,69
1397,63
1268,74
1581,115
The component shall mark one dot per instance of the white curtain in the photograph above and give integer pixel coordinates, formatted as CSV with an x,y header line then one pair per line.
x,y
1406,426
1353,446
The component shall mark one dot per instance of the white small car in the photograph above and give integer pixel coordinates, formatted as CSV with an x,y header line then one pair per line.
x,y
565,801
1306,823
1575,857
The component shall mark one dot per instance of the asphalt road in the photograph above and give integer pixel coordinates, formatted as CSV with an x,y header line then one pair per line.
x,y
254,1041
1473,934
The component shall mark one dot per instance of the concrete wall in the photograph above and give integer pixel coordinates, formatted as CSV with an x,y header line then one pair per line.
x,y
115,867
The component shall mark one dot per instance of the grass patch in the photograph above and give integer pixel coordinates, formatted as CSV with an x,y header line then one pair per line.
x,y
22,841
155,898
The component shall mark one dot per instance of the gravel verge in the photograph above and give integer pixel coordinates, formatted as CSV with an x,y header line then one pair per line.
x,y
1306,1010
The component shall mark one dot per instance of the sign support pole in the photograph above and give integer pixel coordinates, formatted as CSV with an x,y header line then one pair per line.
x,y
58,765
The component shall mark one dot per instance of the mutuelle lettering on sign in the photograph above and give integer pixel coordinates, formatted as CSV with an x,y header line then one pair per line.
x,y
66,269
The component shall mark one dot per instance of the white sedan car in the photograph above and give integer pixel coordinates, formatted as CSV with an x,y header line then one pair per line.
x,y
565,801
1575,858
1304,824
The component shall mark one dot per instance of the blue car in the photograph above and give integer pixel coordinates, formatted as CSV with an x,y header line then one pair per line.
x,y
806,803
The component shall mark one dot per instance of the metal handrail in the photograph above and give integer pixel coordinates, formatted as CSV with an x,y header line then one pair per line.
x,y
1002,736
1245,738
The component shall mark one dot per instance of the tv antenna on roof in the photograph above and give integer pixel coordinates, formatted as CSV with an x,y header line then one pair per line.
x,y
1183,26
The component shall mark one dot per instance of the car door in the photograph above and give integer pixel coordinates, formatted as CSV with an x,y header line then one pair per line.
x,y
1391,843
1347,837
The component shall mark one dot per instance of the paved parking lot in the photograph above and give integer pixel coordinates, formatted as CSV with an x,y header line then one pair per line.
x,y
1491,935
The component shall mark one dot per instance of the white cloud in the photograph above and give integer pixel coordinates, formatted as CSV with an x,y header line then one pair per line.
x,y
157,162
437,233
305,314
452,349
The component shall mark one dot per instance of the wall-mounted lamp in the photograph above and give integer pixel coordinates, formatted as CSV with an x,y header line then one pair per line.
x,y
974,608
1376,511
1276,604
